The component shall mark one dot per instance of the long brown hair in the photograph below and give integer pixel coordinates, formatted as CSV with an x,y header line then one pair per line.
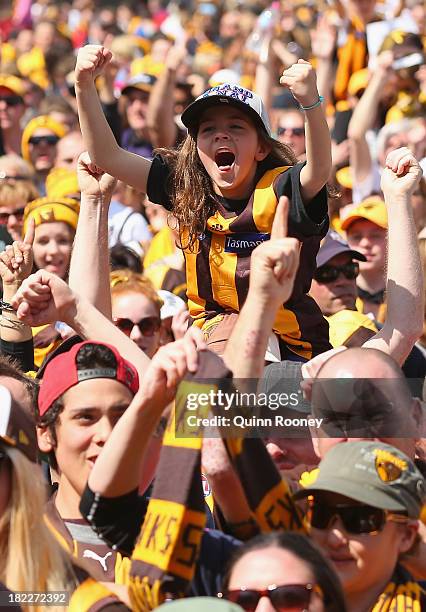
x,y
192,192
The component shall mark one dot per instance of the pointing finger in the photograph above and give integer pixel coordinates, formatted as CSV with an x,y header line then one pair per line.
x,y
30,233
280,223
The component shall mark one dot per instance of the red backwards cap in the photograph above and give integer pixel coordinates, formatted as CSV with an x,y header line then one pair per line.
x,y
61,374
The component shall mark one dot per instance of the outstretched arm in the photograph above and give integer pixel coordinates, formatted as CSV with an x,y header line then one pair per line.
x,y
364,117
124,463
98,137
323,43
301,80
44,297
160,114
272,272
404,288
90,256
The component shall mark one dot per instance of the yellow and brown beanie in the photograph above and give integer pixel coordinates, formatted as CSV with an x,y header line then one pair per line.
x,y
48,210
43,121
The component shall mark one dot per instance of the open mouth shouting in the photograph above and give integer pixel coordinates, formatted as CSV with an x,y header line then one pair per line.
x,y
224,160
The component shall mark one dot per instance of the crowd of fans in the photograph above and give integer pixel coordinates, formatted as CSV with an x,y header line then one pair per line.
x,y
223,198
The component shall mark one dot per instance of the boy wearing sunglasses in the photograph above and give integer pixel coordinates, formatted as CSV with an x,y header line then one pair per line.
x,y
335,291
364,508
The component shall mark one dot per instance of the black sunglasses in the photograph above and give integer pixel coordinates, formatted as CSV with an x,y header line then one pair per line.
x,y
298,131
4,216
147,326
356,519
50,140
294,597
12,100
329,274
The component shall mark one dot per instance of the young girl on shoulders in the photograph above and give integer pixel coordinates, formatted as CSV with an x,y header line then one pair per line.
x,y
223,185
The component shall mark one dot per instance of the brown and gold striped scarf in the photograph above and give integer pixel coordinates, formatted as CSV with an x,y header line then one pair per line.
x,y
402,594
165,555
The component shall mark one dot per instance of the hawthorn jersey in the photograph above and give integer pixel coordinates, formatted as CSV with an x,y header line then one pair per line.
x,y
78,538
218,270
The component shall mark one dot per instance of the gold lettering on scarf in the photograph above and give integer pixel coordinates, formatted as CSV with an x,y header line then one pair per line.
x,y
170,537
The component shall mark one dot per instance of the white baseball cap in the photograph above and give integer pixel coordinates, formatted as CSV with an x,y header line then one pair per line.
x,y
172,304
233,95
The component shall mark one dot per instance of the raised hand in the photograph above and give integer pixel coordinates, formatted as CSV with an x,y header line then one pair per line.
x,y
92,180
401,174
16,261
323,38
176,56
169,366
44,298
91,62
274,263
180,323
301,80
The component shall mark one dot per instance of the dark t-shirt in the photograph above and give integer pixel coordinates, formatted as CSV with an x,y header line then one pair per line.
x,y
118,522
218,284
131,142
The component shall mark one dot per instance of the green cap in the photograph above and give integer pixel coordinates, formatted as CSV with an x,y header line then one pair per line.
x,y
196,604
372,473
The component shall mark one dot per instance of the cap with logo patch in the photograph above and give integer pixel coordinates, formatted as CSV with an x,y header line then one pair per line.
x,y
372,473
231,95
61,374
17,428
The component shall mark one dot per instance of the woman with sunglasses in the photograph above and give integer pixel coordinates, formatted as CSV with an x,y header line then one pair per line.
x,y
363,511
290,129
136,309
16,190
279,572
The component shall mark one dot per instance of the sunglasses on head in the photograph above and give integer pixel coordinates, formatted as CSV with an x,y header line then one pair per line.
x,y
356,519
50,140
329,274
298,131
284,598
4,216
147,326
12,100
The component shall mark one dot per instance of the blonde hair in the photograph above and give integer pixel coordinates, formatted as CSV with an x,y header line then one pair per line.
x,y
14,193
127,281
30,557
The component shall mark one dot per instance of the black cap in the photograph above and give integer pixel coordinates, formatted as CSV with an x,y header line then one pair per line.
x,y
332,245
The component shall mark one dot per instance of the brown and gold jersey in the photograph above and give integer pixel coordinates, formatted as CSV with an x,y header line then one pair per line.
x,y
218,269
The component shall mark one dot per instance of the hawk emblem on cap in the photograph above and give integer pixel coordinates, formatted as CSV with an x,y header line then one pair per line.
x,y
388,467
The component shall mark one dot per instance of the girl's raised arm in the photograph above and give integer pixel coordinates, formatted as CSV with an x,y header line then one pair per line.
x,y
97,135
300,79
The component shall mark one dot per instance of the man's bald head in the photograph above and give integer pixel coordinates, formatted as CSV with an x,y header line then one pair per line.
x,y
363,394
361,363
